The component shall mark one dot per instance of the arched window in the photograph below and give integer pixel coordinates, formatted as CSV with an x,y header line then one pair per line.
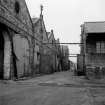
x,y
17,7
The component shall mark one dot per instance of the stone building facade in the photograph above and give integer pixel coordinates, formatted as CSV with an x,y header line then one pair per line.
x,y
45,54
53,51
64,57
45,65
40,49
58,49
16,39
80,64
38,34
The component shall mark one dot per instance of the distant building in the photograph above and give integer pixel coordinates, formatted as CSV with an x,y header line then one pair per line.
x,y
80,64
38,34
45,49
53,51
40,49
93,49
58,55
64,57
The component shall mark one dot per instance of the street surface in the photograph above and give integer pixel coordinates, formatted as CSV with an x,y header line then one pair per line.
x,y
56,89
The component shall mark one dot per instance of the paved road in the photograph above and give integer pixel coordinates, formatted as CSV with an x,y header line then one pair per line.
x,y
56,89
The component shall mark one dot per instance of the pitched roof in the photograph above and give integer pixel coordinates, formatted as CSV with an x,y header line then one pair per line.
x,y
94,27
57,41
35,20
48,34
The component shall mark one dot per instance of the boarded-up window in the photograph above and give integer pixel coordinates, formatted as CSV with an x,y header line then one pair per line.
x,y
100,47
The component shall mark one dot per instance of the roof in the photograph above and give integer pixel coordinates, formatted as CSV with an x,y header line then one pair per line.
x,y
35,20
94,27
57,41
48,34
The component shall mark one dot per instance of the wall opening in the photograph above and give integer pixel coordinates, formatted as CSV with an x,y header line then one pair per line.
x,y
1,54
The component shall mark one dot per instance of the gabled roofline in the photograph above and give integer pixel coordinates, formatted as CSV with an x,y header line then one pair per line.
x,y
52,34
29,13
44,28
36,21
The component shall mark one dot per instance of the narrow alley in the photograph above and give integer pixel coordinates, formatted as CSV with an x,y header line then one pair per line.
x,y
52,52
56,89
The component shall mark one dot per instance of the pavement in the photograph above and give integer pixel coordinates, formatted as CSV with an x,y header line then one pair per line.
x,y
61,88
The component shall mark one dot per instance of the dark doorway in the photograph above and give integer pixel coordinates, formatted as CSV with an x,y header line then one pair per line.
x,y
1,54
6,43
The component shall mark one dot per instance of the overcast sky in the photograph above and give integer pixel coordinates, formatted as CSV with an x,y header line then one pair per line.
x,y
66,16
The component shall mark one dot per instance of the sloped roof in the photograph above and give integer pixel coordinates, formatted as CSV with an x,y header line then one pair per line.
x,y
57,41
35,20
94,27
48,34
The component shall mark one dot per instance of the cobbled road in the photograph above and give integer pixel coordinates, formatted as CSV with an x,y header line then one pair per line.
x,y
57,89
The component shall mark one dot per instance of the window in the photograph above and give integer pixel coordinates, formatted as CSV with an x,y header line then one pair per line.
x,y
100,47
38,56
41,30
17,7
52,41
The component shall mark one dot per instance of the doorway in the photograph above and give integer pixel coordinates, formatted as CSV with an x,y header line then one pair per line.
x,y
1,54
5,52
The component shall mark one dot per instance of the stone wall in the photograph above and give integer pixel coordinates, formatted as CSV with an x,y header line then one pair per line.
x,y
7,55
16,15
80,63
46,66
37,47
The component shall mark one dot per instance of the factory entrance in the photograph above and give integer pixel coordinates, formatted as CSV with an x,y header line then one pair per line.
x,y
1,53
5,52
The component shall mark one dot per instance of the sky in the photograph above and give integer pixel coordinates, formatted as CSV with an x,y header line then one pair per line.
x,y
66,16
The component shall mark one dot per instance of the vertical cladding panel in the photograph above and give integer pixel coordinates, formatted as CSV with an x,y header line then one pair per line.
x,y
95,60
18,49
80,62
26,55
35,56
53,61
21,48
46,64
36,51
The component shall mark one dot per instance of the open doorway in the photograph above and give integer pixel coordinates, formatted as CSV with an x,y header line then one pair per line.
x,y
1,53
7,58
